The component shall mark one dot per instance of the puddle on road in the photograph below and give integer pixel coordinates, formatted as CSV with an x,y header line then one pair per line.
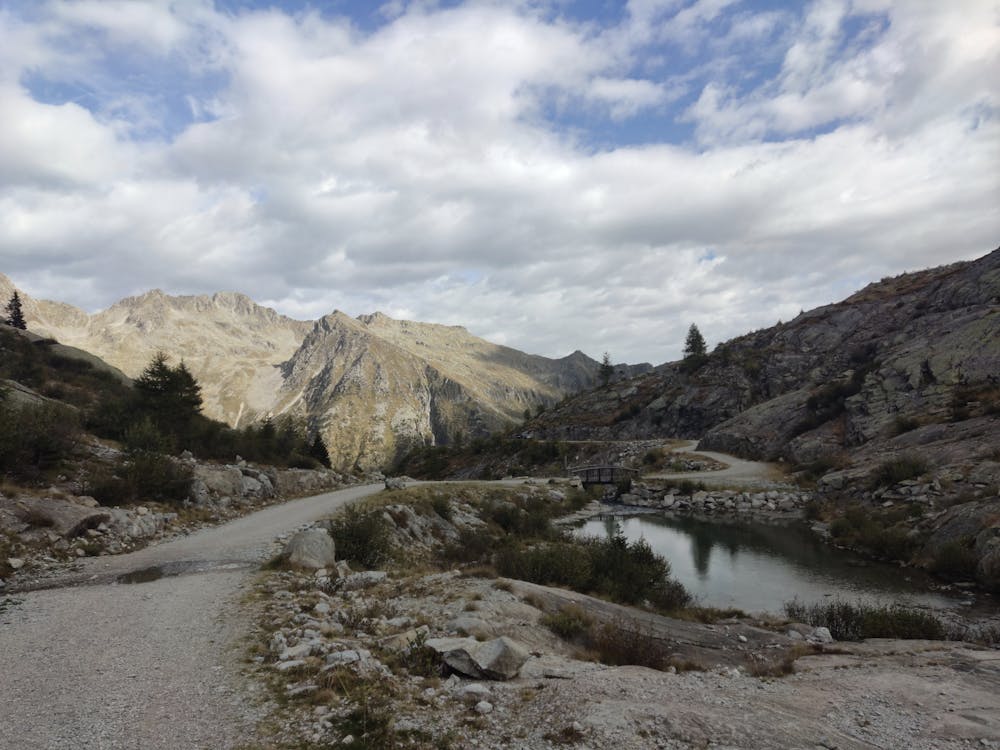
x,y
167,570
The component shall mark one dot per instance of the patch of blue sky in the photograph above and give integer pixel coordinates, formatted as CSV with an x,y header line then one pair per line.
x,y
158,96
604,13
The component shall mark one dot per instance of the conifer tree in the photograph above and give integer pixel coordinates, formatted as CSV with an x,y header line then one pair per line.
x,y
694,346
607,369
15,315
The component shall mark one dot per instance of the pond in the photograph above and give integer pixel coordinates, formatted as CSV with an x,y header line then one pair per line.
x,y
757,566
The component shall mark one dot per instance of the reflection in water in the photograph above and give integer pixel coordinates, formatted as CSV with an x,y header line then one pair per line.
x,y
759,566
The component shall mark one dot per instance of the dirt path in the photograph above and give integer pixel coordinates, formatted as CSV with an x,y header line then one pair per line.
x,y
738,472
107,666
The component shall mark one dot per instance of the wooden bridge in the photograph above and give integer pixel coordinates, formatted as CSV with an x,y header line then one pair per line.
x,y
603,474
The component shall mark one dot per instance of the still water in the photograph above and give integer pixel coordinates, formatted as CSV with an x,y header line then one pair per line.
x,y
757,566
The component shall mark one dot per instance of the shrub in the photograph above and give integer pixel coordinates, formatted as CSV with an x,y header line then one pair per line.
x,y
144,476
34,438
904,424
570,623
629,642
854,622
362,537
626,572
898,470
442,506
955,559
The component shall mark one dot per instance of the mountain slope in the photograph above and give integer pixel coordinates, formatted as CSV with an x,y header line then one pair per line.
x,y
371,386
917,351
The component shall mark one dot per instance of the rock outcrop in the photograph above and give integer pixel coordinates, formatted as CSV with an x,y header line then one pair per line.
x,y
919,352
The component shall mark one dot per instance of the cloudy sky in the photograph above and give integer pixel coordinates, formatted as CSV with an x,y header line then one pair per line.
x,y
553,175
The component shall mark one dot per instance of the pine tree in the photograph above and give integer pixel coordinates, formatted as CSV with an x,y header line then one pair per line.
x,y
15,315
318,451
694,346
694,350
607,369
169,396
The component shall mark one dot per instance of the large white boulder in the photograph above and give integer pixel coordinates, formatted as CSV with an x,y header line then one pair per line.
x,y
311,548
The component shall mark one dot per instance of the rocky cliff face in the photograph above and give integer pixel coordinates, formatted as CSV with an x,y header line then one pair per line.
x,y
371,385
913,352
381,385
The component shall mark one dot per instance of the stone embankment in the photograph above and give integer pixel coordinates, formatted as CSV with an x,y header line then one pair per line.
x,y
715,501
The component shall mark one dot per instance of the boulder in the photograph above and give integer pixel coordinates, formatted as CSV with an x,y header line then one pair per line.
x,y
395,483
221,481
499,659
311,548
66,519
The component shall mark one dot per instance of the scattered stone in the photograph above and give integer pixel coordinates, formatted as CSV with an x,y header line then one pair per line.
x,y
15,563
820,635
363,580
499,659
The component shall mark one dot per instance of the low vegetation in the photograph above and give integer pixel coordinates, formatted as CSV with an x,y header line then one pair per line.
x,y
518,540
897,470
881,533
855,622
156,416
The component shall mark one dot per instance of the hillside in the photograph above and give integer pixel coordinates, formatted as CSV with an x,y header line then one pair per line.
x,y
371,386
908,359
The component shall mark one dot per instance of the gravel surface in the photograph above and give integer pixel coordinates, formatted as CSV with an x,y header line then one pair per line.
x,y
737,472
151,665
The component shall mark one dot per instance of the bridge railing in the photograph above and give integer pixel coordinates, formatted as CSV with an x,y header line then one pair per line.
x,y
603,474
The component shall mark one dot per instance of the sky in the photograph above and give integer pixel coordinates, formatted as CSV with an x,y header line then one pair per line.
x,y
552,175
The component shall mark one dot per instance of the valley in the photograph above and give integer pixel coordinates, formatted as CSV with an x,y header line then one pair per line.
x,y
826,489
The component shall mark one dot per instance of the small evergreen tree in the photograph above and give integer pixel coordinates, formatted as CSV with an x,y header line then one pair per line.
x,y
15,315
694,346
694,349
318,451
169,396
607,369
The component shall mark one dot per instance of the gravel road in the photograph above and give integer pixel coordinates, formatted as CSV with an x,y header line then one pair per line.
x,y
88,663
737,472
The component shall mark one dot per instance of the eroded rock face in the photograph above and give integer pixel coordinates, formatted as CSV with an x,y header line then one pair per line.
x,y
311,549
901,353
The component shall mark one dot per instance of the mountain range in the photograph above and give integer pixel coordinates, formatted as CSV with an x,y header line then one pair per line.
x,y
371,386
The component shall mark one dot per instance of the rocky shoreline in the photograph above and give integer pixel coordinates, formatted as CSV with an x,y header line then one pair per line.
x,y
377,657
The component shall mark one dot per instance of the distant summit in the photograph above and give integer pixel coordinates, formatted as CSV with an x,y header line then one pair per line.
x,y
372,385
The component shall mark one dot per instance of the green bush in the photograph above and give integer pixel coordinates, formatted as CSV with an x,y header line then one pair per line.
x,y
628,642
854,622
898,470
362,537
956,560
35,438
144,476
569,623
626,572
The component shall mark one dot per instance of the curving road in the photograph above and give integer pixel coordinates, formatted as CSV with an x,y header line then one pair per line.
x,y
108,666
738,471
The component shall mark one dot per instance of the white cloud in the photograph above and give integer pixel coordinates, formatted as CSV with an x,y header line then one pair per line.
x,y
414,169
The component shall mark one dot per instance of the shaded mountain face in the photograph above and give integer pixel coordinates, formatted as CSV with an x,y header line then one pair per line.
x,y
372,386
918,353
